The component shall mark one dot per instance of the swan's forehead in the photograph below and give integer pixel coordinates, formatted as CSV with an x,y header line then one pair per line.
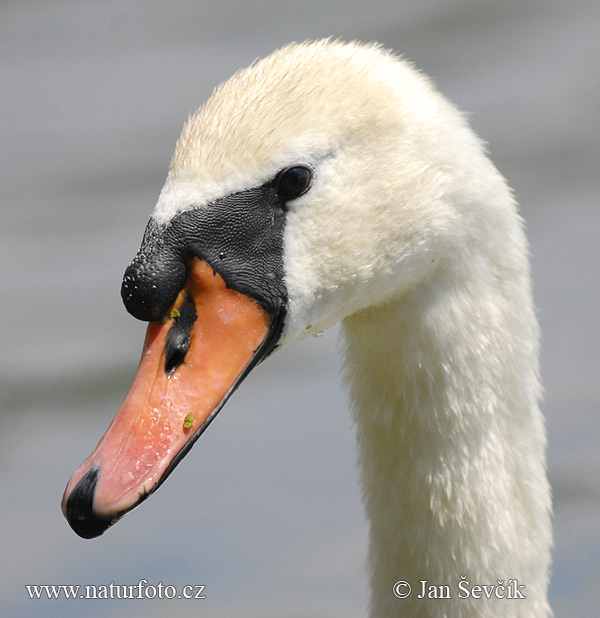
x,y
295,105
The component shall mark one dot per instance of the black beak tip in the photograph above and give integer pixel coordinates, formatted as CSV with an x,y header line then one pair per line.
x,y
79,509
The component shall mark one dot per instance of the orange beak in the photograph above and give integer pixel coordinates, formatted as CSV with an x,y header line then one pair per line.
x,y
191,363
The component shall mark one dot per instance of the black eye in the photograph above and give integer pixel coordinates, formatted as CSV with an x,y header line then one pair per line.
x,y
293,182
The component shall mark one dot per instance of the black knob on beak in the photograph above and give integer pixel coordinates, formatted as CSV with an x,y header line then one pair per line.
x,y
155,276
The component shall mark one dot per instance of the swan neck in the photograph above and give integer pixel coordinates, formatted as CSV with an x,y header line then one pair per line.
x,y
451,443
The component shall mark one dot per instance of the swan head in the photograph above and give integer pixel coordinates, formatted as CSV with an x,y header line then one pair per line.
x,y
384,151
322,180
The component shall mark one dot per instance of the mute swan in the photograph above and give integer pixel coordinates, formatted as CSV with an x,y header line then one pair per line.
x,y
327,182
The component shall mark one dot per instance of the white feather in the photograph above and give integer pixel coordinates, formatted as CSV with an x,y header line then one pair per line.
x,y
411,237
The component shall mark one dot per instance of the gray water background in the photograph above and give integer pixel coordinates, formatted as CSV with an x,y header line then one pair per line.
x,y
265,510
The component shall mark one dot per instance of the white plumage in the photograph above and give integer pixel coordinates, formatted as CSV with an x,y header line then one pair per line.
x,y
411,237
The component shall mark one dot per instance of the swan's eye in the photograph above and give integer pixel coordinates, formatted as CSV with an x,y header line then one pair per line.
x,y
293,182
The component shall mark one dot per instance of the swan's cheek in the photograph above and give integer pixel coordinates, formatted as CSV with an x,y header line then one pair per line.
x,y
322,277
331,274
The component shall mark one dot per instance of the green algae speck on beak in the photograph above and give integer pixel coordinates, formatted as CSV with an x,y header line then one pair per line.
x,y
188,421
174,314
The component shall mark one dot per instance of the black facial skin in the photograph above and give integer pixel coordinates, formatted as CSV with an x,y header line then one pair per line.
x,y
239,236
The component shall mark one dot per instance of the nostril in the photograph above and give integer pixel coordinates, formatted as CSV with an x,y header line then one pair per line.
x,y
178,339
